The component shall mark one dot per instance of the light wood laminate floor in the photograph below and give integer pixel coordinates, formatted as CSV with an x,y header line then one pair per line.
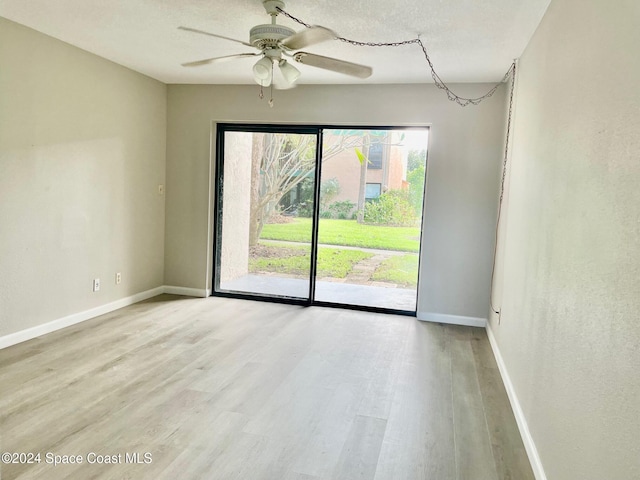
x,y
232,389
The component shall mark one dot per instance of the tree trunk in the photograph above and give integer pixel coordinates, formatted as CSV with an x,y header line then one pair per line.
x,y
255,217
363,178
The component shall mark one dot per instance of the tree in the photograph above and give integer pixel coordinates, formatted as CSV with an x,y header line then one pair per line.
x,y
281,162
256,220
416,165
415,159
362,158
369,138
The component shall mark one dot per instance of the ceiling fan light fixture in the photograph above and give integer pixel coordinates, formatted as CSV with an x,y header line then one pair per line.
x,y
262,71
289,72
263,83
275,41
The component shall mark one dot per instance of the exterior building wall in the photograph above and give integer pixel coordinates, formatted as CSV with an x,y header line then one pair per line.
x,y
236,199
397,170
345,167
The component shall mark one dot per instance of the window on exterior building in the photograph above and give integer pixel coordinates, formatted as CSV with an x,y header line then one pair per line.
x,y
375,156
372,190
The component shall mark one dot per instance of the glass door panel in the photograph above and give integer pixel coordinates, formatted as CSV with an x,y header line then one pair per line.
x,y
265,213
370,219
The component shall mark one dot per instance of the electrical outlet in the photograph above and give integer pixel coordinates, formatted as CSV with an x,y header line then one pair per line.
x,y
160,189
96,284
118,278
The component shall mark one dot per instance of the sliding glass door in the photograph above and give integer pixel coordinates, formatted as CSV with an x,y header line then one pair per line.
x,y
266,177
370,205
320,215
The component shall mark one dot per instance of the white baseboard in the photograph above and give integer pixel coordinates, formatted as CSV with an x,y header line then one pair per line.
x,y
188,292
527,439
452,319
39,330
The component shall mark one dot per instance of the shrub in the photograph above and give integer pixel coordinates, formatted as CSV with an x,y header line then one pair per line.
x,y
305,209
391,208
328,191
342,210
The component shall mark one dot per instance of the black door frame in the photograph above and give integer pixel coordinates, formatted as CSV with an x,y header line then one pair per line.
x,y
316,130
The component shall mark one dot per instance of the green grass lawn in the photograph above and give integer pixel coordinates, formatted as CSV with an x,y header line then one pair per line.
x,y
294,260
401,269
346,232
332,262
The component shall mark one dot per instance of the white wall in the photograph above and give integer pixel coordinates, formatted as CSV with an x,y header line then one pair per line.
x,y
464,161
82,150
570,282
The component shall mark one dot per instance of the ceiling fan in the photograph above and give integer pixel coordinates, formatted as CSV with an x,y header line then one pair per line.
x,y
277,43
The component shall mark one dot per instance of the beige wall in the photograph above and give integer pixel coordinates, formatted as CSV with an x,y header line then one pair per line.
x,y
570,292
463,172
82,151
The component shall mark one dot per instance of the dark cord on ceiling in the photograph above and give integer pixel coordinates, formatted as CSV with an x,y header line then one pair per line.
x,y
462,101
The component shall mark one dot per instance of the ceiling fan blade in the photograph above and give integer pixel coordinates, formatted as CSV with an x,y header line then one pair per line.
x,y
226,58
333,64
308,36
195,30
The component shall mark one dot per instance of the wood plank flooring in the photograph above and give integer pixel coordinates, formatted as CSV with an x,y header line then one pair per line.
x,y
231,389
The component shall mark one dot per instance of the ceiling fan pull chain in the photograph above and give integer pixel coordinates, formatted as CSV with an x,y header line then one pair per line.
x,y
271,88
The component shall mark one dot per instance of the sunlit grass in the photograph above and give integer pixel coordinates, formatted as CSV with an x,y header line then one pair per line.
x,y
346,232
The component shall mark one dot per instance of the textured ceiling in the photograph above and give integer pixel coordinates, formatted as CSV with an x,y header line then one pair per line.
x,y
468,40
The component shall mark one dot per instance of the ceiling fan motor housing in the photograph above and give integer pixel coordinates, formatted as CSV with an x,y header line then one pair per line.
x,y
266,36
271,6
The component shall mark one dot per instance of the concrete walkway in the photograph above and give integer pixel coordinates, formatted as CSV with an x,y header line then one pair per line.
x,y
362,271
333,292
346,247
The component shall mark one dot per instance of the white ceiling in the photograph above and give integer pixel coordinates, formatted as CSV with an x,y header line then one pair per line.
x,y
468,40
